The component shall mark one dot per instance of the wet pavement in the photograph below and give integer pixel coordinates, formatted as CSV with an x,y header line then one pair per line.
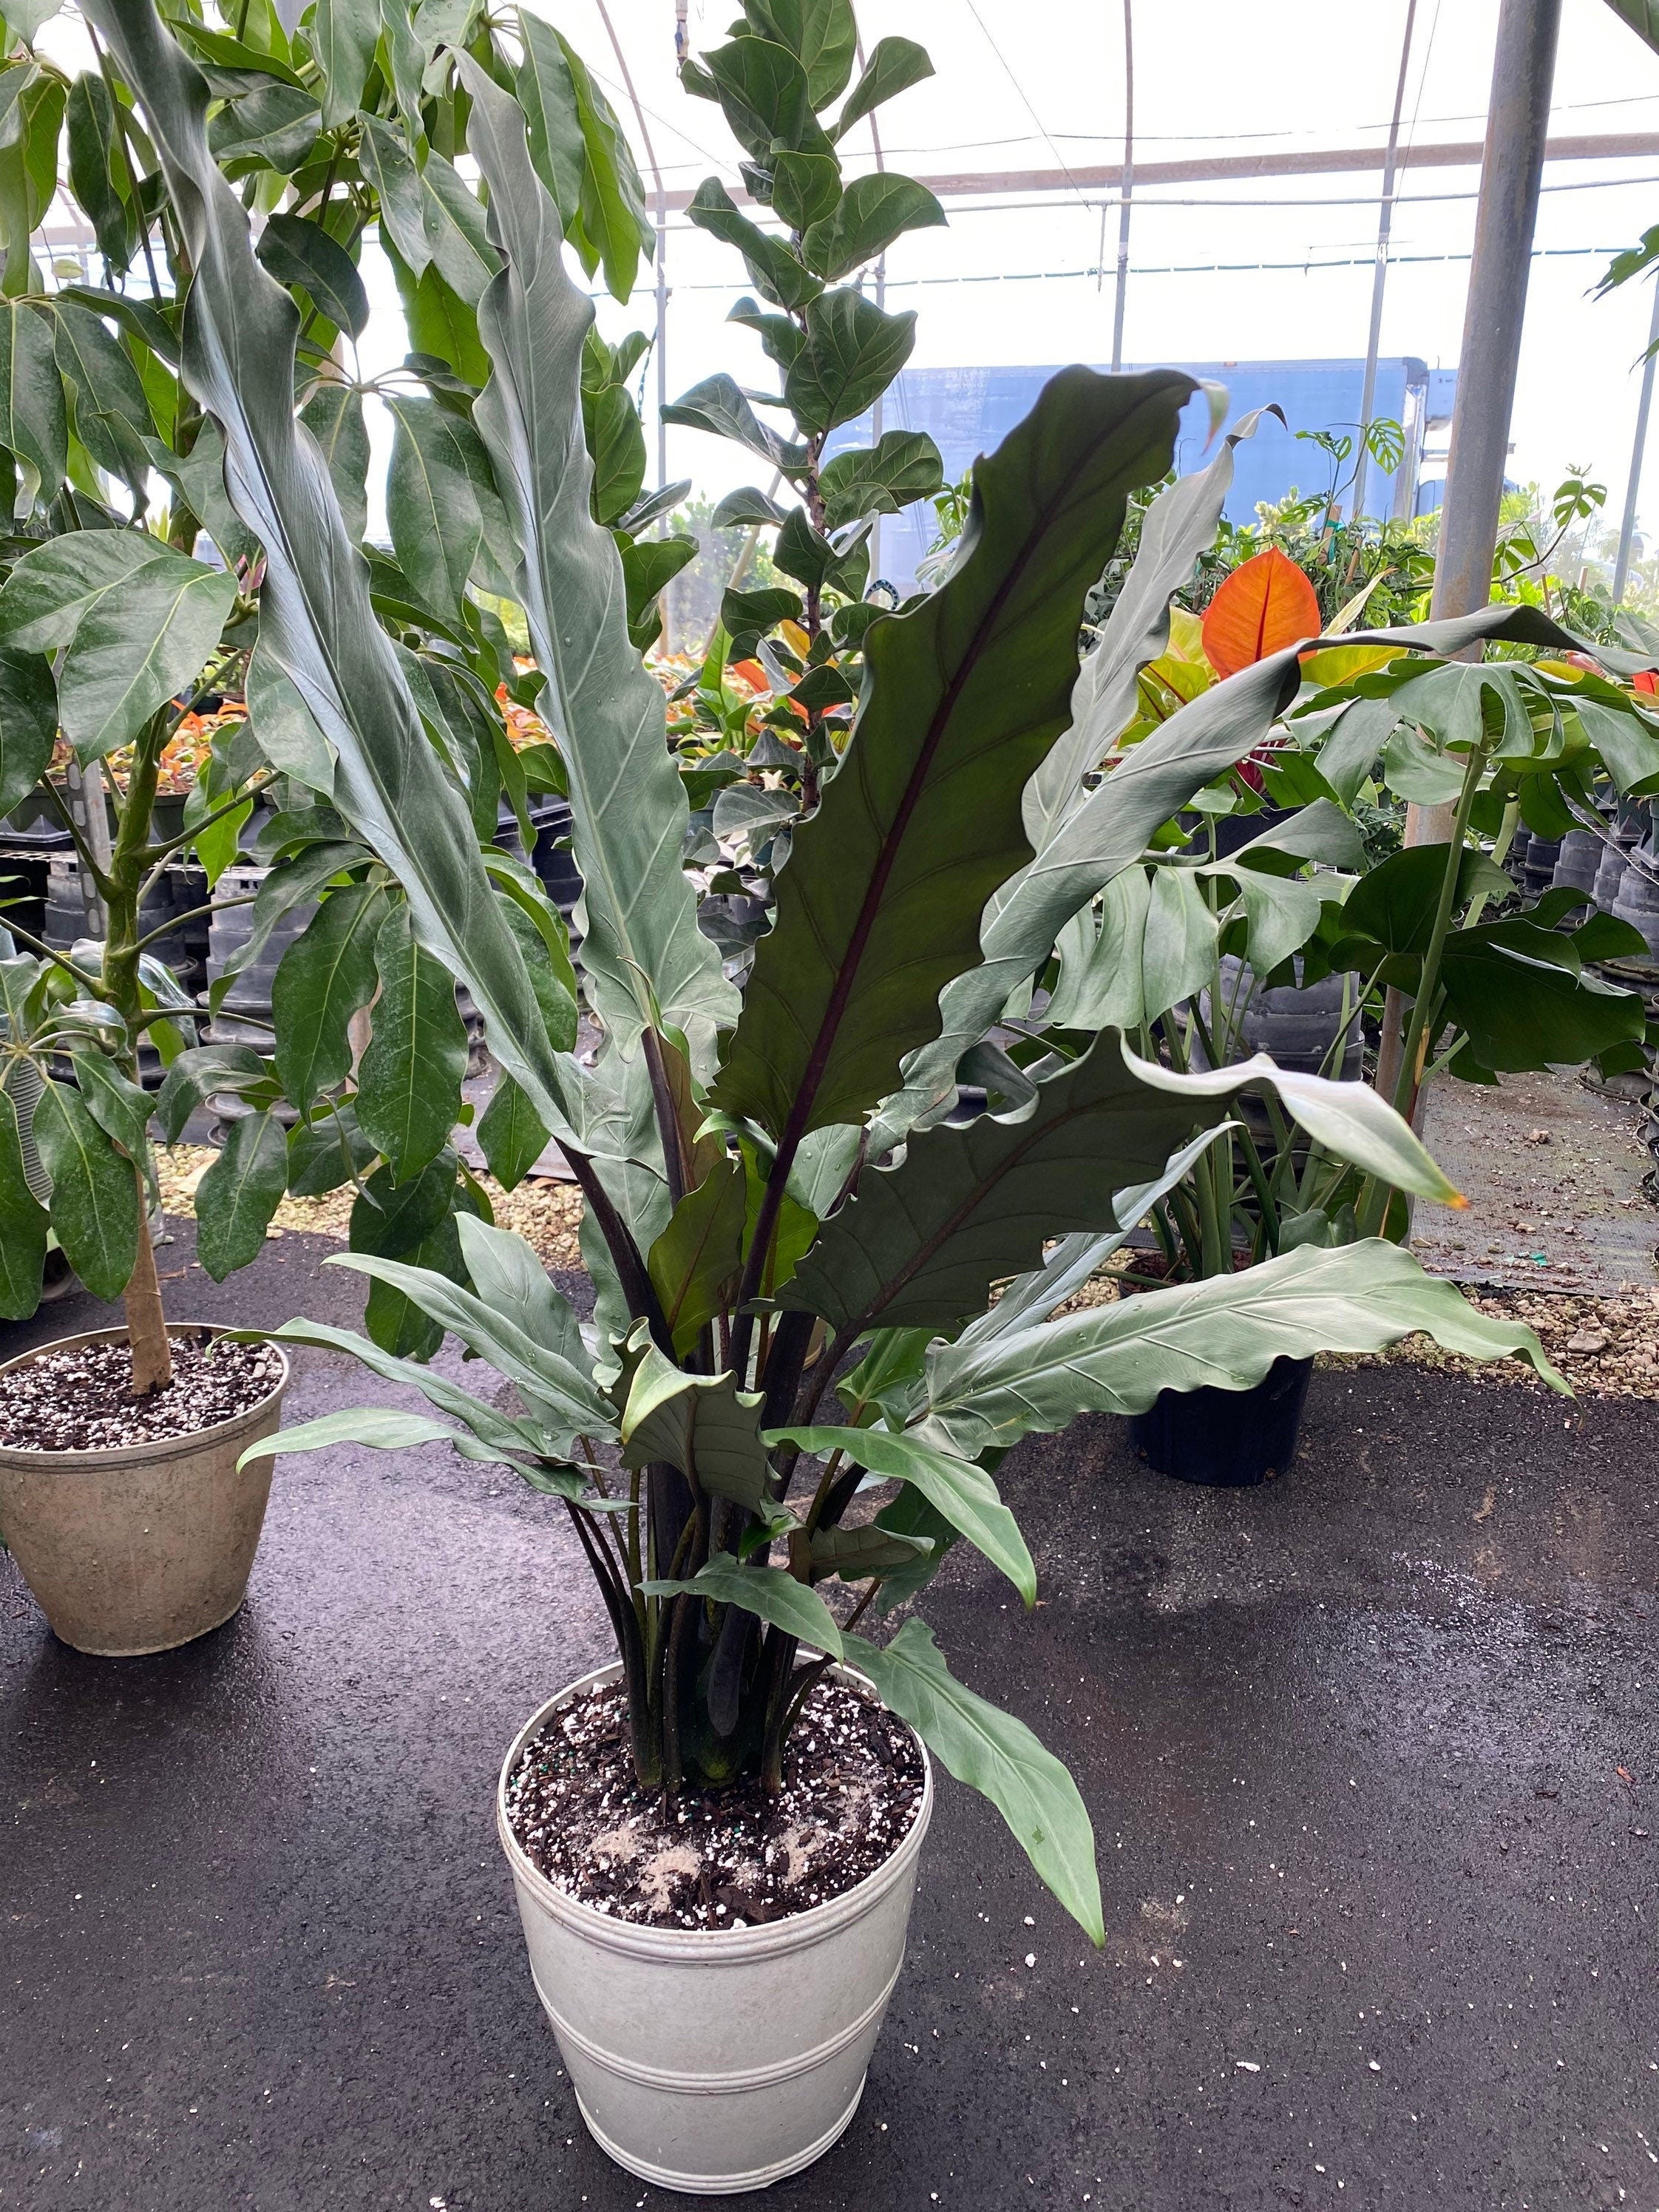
x,y
1373,1756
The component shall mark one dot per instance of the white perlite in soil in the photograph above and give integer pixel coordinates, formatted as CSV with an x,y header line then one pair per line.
x,y
715,1859
81,1399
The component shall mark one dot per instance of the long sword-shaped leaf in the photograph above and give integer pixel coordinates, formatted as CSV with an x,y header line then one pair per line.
x,y
1226,1332
880,904
1180,524
768,1592
642,947
241,331
995,1754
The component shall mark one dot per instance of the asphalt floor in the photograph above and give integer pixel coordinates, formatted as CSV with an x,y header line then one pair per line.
x,y
1373,1756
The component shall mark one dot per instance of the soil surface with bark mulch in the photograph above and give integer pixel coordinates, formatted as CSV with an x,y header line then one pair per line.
x,y
718,1859
80,1399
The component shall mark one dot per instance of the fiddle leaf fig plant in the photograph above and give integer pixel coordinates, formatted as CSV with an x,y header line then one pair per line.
x,y
764,1197
833,351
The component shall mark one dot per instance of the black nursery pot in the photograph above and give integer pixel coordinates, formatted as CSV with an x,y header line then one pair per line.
x,y
1232,1439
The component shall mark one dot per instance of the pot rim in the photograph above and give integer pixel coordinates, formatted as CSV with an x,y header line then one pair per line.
x,y
707,1946
19,1457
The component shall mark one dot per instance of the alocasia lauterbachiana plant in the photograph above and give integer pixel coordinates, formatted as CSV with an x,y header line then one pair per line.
x,y
763,1196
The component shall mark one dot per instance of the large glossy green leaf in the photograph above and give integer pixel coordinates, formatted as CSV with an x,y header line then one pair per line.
x,y
700,1253
408,1085
431,504
853,353
297,251
1522,1006
134,621
33,422
962,1493
343,36
874,210
763,92
94,1192
97,175
111,415
822,35
315,612
768,1593
902,465
895,64
717,406
880,904
28,723
702,1423
23,1224
773,268
1225,1333
642,950
240,1192
996,1754
322,979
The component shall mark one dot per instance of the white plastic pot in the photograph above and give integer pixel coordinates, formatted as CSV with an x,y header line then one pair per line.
x,y
707,2062
143,1548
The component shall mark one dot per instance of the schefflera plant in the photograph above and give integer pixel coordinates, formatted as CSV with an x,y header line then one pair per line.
x,y
749,1220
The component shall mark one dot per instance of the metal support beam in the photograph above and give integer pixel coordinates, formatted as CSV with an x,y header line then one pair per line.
x,y
1126,189
1637,453
1511,170
1379,276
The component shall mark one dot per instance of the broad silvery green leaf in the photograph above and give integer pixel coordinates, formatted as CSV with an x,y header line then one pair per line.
x,y
315,612
343,36
33,424
377,1425
880,904
702,1423
963,1493
645,957
996,1754
297,251
134,622
431,506
508,1277
1225,1332
766,1592
502,1432
556,1384
28,723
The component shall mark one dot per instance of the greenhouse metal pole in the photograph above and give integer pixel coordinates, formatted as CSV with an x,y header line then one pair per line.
x,y
1384,228
1511,170
1126,182
1637,453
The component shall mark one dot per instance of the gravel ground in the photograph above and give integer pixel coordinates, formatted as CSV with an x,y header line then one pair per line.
x,y
546,1214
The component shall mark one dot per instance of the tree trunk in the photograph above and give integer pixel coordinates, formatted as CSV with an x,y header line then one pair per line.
x,y
147,1328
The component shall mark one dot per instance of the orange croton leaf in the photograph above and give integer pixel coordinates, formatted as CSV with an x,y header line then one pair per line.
x,y
752,672
1266,604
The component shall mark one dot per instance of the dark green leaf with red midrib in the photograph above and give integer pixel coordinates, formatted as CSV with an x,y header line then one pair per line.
x,y
881,903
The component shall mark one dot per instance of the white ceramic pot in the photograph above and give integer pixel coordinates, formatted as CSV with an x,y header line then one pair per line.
x,y
715,2063
138,1550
